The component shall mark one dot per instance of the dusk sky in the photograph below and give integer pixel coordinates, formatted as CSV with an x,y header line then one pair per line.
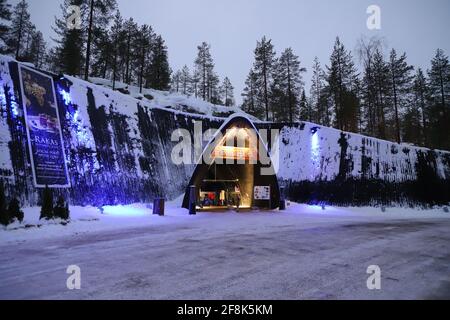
x,y
232,27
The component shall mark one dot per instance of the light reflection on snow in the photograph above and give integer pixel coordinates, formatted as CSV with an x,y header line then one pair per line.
x,y
66,96
315,154
125,211
325,209
315,208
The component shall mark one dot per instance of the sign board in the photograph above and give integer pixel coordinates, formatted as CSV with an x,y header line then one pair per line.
x,y
45,141
262,193
235,153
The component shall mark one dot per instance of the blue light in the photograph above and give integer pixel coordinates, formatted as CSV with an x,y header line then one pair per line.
x,y
315,142
14,108
66,96
315,154
15,111
125,211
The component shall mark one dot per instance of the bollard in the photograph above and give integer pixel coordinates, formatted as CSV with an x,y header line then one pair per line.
x,y
192,200
158,206
282,199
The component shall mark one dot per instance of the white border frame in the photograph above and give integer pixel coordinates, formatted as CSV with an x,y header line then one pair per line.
x,y
24,107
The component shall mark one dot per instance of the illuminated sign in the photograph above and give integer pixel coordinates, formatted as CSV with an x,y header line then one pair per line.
x,y
236,153
45,141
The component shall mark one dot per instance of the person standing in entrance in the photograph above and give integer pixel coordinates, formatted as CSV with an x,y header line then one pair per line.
x,y
237,190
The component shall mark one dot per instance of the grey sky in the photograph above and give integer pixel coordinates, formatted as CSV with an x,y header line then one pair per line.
x,y
232,27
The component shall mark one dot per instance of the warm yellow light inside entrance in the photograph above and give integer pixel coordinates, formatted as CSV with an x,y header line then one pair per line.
x,y
236,153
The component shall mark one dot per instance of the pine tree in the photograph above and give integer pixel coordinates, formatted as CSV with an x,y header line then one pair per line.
x,y
439,79
214,95
289,76
185,79
144,45
411,124
47,204
5,16
401,82
14,211
176,84
38,49
204,67
20,27
61,209
195,81
103,55
382,90
118,46
318,97
68,53
26,53
131,33
51,60
227,92
305,108
439,99
341,79
263,69
277,97
420,93
252,103
159,69
366,50
100,14
4,215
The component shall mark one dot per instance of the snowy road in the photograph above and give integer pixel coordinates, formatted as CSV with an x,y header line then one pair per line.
x,y
239,256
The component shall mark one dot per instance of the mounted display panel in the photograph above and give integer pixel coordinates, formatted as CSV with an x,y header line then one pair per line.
x,y
45,141
262,193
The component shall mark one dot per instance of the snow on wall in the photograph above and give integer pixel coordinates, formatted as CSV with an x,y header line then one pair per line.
x,y
125,142
319,155
5,135
325,165
118,147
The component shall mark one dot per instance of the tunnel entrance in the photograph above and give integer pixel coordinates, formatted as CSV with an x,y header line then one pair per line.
x,y
227,186
230,173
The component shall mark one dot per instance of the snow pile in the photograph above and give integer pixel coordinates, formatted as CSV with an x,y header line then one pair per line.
x,y
171,100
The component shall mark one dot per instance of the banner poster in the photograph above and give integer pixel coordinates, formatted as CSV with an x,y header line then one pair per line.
x,y
45,140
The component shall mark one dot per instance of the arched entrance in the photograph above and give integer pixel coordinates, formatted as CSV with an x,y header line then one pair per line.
x,y
235,170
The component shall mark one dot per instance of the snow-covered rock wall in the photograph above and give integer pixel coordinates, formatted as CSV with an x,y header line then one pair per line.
x,y
325,165
118,147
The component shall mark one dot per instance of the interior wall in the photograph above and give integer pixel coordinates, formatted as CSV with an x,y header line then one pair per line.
x,y
242,172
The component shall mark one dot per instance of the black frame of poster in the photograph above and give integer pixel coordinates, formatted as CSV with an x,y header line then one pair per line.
x,y
36,178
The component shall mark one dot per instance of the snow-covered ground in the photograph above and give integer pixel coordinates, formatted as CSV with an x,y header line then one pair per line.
x,y
88,220
91,219
304,252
